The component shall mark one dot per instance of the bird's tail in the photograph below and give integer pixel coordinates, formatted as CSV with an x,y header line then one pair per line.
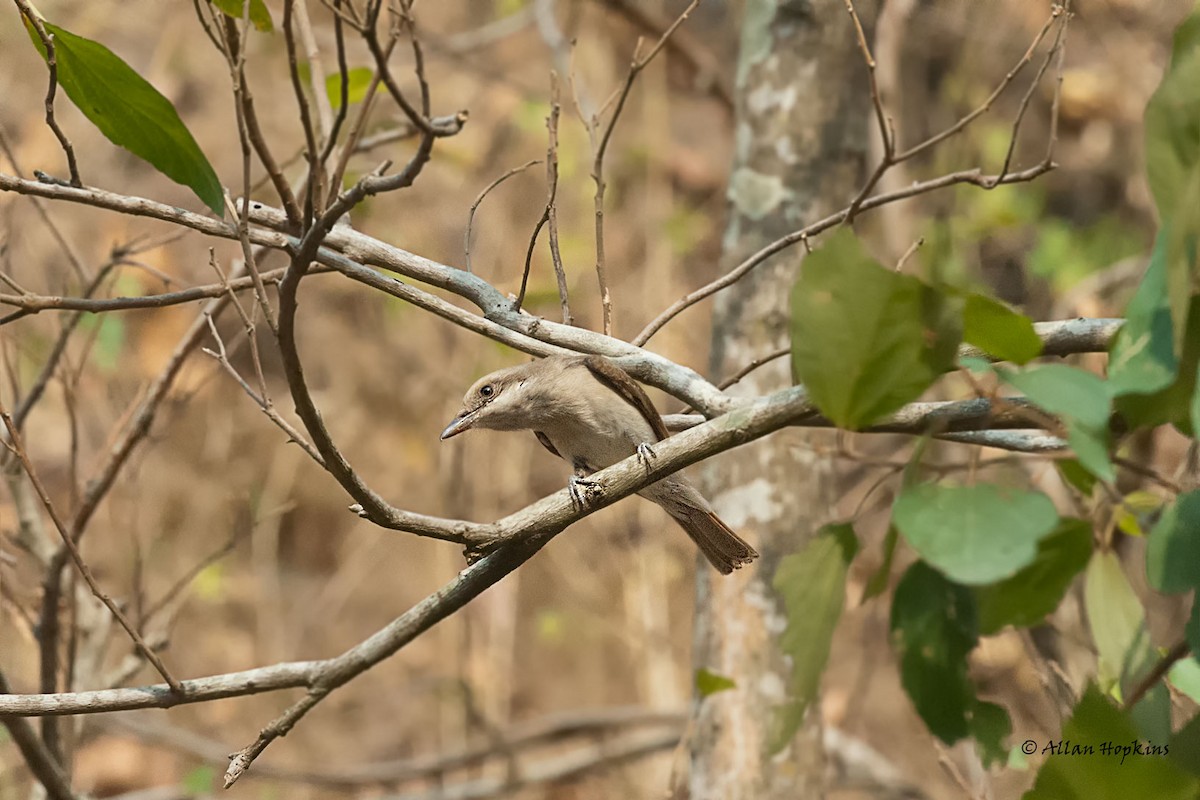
x,y
723,548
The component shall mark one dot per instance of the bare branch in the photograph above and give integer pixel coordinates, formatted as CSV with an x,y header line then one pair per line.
x,y
35,19
550,730
479,200
550,214
248,122
1179,651
986,105
1064,18
560,273
601,147
705,65
18,448
973,177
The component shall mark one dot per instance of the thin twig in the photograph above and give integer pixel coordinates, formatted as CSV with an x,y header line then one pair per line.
x,y
753,365
560,272
237,66
704,64
249,327
1148,473
186,579
50,365
260,398
1064,18
1178,652
35,19
15,445
986,105
912,248
479,199
59,237
339,38
549,213
248,118
973,177
881,117
550,731
601,147
35,303
306,122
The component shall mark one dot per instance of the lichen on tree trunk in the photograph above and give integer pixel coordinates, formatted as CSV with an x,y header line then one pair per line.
x,y
803,114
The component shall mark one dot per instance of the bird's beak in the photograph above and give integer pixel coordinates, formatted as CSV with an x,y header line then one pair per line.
x,y
460,423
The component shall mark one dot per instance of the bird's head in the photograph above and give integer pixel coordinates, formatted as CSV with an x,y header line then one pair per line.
x,y
497,401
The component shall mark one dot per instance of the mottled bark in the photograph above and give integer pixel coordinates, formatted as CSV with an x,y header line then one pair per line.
x,y
803,114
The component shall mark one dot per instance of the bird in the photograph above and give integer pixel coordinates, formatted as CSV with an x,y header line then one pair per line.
x,y
589,412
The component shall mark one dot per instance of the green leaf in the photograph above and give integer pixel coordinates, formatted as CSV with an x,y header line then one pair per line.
x,y
878,582
933,629
975,534
1185,747
1117,621
1172,137
1172,131
1091,450
1172,404
990,726
996,329
1135,509
866,340
130,112
1081,399
1142,357
357,81
843,533
1173,551
1152,714
1028,597
711,682
980,366
1064,391
260,18
1194,408
812,584
1192,629
1076,475
1091,763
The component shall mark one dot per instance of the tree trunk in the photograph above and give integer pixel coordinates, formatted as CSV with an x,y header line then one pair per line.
x,y
803,114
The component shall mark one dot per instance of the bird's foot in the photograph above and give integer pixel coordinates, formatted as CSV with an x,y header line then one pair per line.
x,y
474,552
477,548
645,452
582,490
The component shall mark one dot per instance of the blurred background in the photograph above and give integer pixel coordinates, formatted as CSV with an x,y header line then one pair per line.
x,y
601,620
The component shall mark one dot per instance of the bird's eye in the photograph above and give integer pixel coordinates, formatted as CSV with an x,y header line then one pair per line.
x,y
487,390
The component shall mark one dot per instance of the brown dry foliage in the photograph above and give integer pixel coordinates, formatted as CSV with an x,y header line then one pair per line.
x,y
603,617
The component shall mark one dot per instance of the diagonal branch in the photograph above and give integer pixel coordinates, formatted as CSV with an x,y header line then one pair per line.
x,y
973,177
15,444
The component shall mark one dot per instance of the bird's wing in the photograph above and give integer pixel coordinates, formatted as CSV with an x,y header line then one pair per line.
x,y
629,390
546,443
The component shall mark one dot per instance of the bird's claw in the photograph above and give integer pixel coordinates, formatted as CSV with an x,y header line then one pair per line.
x,y
645,452
474,552
581,490
476,549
